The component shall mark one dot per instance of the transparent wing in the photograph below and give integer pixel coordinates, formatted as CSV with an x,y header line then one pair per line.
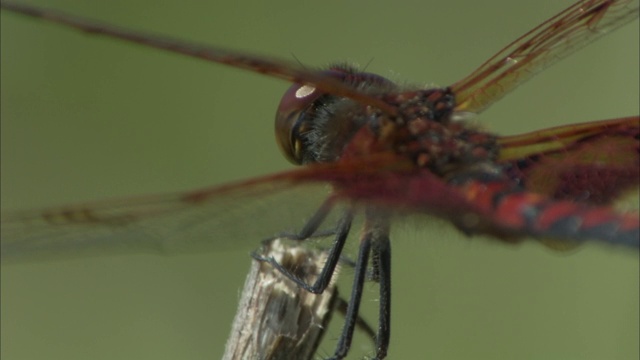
x,y
219,218
222,218
573,28
258,64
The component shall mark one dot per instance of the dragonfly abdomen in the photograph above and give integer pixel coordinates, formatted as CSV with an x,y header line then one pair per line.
x,y
520,212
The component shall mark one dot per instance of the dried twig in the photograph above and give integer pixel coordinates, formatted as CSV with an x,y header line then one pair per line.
x,y
276,319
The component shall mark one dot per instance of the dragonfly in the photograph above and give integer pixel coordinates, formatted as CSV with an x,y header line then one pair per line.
x,y
472,94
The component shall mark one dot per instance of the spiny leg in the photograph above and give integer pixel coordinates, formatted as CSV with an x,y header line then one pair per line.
x,y
351,316
311,226
341,306
334,256
374,242
380,272
382,248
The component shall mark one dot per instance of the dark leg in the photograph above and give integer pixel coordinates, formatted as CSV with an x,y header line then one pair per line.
x,y
341,305
341,233
381,273
344,343
383,248
375,239
314,222
333,258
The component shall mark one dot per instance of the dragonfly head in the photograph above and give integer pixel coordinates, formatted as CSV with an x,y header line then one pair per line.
x,y
303,119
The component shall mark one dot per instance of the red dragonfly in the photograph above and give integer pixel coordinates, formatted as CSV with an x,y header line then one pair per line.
x,y
552,184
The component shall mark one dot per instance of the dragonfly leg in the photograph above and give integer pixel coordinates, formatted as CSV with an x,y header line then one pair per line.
x,y
334,256
311,226
341,306
382,254
310,229
351,316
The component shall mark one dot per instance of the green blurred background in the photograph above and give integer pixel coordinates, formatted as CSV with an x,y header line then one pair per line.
x,y
86,118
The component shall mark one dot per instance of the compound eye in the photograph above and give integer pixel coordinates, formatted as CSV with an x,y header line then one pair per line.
x,y
295,102
296,113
